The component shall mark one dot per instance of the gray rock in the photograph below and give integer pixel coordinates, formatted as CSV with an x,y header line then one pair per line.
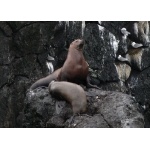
x,y
95,121
99,53
116,108
105,110
139,58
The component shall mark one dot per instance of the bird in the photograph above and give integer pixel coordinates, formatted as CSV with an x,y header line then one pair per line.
x,y
50,58
122,58
125,32
136,45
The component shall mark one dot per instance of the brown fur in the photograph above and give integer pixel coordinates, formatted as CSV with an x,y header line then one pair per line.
x,y
45,81
72,93
139,31
75,68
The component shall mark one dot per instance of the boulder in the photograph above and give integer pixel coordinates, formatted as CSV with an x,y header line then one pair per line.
x,y
105,109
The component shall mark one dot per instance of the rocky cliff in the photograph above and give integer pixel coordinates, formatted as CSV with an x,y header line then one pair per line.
x,y
123,100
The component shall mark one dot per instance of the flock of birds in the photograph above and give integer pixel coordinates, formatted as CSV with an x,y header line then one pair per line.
x,y
125,34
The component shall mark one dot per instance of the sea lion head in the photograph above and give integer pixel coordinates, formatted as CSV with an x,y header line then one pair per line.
x,y
77,44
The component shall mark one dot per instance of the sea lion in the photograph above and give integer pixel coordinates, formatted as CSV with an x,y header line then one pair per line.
x,y
75,68
139,32
72,93
46,80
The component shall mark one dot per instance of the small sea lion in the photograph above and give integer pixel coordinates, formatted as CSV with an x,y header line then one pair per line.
x,y
72,93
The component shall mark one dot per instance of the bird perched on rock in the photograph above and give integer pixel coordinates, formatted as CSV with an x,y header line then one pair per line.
x,y
122,58
125,32
136,45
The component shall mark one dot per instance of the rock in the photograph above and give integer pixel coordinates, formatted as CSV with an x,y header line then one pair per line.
x,y
139,58
95,121
123,71
99,54
139,84
105,109
116,108
41,110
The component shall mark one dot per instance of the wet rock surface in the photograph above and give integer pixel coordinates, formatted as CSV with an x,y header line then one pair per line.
x,y
24,47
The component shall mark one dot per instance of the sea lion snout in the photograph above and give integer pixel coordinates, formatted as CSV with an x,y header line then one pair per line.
x,y
81,42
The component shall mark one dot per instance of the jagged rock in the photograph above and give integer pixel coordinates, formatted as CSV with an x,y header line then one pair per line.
x,y
95,121
123,71
41,110
105,109
139,32
116,108
5,29
139,58
98,52
139,84
5,109
4,75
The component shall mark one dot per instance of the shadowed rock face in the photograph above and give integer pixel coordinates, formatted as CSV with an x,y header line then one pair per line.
x,y
24,47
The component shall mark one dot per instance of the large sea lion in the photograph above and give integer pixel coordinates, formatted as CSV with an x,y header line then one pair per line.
x,y
72,93
75,68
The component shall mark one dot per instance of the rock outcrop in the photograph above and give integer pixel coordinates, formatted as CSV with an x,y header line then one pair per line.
x,y
24,47
105,109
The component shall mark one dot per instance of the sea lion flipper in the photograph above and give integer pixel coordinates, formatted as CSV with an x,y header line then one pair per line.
x,y
89,85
